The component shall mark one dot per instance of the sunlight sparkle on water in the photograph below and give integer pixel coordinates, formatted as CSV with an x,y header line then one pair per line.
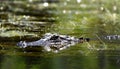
x,y
78,1
30,0
77,12
114,16
68,0
26,17
93,0
64,11
65,3
45,4
101,8
1,8
114,8
83,5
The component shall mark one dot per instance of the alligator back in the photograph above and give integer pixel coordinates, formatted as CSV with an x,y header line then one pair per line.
x,y
111,38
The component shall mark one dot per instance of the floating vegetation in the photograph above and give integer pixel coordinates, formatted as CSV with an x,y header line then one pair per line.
x,y
16,33
21,18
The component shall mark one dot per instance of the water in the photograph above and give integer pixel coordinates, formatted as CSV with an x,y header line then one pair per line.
x,y
21,20
60,62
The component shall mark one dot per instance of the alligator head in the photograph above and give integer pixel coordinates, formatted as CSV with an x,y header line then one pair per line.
x,y
22,44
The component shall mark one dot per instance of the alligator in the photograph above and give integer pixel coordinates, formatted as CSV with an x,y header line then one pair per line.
x,y
112,37
57,42
53,42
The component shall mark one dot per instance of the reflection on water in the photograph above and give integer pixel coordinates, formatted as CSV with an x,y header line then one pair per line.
x,y
21,20
60,62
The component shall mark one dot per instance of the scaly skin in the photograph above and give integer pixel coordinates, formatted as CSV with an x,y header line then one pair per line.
x,y
52,42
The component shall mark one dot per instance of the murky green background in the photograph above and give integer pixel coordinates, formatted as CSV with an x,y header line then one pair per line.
x,y
28,20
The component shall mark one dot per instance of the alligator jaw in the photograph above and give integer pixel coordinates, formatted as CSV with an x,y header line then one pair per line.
x,y
47,48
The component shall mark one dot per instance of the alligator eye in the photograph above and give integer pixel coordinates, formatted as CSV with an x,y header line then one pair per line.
x,y
54,37
23,44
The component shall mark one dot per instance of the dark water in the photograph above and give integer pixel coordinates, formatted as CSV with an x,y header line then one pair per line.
x,y
29,20
60,62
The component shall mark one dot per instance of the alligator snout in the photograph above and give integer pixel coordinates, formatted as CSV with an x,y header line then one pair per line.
x,y
22,44
53,42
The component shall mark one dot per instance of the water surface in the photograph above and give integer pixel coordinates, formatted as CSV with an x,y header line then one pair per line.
x,y
30,20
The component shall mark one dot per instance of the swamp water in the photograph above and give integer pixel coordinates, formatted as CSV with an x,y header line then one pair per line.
x,y
29,20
